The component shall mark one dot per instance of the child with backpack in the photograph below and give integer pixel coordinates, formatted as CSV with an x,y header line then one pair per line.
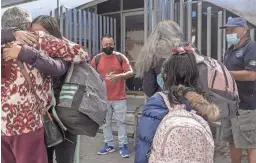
x,y
214,79
175,119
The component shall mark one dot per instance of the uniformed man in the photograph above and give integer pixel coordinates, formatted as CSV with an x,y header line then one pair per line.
x,y
240,60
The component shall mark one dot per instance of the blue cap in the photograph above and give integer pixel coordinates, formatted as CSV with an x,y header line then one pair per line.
x,y
235,22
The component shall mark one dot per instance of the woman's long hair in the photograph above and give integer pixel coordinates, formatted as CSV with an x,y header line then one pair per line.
x,y
50,24
180,69
165,36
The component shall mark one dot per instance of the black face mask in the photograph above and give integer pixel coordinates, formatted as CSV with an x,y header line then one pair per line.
x,y
108,50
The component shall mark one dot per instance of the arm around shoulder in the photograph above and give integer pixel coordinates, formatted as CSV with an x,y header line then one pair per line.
x,y
45,64
7,35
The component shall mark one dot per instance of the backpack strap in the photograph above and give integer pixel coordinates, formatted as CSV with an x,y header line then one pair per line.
x,y
97,60
186,103
167,103
69,73
28,79
119,58
225,75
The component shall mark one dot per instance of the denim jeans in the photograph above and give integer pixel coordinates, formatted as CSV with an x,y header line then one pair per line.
x,y
118,109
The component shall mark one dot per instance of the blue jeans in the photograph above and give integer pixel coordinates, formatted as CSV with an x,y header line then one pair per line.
x,y
118,109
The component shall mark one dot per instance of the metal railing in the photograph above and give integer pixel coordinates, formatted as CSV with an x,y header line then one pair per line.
x,y
199,20
85,28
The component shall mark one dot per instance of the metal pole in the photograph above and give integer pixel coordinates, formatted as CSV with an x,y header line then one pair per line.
x,y
145,20
78,141
58,8
224,32
61,21
150,17
219,57
172,10
155,14
70,25
75,25
182,14
90,33
199,26
85,28
209,30
66,23
101,27
163,9
189,14
115,32
80,23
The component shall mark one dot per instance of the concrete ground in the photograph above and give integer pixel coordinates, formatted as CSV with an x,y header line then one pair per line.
x,y
90,146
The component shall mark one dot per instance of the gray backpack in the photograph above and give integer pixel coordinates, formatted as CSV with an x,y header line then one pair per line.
x,y
219,84
82,106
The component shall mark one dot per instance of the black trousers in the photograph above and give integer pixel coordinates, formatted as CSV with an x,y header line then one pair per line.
x,y
65,151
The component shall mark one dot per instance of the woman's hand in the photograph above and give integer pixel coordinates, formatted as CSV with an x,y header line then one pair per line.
x,y
25,37
11,52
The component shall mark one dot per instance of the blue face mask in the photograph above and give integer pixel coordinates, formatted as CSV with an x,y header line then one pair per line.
x,y
160,81
232,39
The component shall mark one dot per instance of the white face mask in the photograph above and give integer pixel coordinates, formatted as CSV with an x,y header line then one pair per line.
x,y
232,39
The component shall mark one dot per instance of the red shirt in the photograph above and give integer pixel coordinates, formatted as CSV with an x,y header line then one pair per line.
x,y
110,64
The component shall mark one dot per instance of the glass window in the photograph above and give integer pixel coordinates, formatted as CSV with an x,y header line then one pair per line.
x,y
132,4
134,36
109,6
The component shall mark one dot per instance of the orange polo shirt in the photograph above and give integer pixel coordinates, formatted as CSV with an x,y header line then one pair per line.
x,y
110,64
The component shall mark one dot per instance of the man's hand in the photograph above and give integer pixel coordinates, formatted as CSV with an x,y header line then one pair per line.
x,y
11,52
25,38
114,77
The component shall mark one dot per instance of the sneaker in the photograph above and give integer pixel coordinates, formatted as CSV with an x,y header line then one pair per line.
x,y
124,151
106,149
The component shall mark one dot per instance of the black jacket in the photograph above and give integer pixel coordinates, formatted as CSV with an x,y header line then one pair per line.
x,y
149,84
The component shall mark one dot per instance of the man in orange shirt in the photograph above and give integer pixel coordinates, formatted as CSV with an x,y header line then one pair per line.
x,y
115,68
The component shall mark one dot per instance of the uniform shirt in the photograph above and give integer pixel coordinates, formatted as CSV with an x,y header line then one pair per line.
x,y
243,58
106,66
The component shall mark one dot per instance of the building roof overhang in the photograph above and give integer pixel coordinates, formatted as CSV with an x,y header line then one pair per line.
x,y
9,3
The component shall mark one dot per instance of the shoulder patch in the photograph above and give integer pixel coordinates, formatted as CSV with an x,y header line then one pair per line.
x,y
253,63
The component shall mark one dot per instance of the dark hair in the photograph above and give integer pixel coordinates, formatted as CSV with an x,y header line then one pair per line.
x,y
180,69
50,24
106,36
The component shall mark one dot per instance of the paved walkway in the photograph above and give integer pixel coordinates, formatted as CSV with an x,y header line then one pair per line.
x,y
90,147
